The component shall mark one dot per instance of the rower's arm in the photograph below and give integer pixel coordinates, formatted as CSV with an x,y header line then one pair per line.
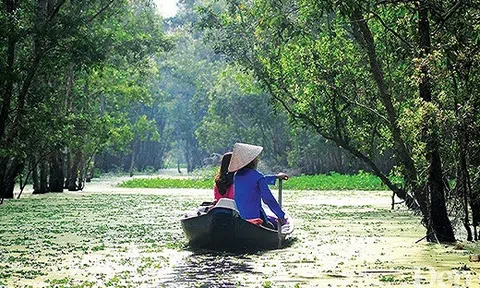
x,y
268,198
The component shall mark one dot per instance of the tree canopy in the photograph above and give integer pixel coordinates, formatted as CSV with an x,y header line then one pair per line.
x,y
387,87
368,76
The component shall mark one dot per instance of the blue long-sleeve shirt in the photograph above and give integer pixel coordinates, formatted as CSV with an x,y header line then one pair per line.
x,y
251,187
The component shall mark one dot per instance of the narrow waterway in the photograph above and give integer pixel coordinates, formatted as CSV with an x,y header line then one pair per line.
x,y
116,237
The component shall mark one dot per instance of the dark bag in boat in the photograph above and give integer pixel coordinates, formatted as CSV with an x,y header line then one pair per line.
x,y
207,203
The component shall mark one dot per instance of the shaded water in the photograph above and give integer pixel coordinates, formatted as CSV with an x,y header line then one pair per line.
x,y
211,268
109,236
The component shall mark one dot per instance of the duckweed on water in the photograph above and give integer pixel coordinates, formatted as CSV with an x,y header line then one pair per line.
x,y
133,238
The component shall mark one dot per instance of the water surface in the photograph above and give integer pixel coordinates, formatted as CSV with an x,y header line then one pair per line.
x,y
116,237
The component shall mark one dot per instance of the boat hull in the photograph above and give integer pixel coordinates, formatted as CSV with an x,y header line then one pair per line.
x,y
223,229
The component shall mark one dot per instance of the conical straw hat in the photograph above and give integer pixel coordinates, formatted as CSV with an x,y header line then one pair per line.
x,y
242,155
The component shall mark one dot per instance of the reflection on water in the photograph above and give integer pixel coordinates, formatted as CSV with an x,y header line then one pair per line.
x,y
205,268
208,268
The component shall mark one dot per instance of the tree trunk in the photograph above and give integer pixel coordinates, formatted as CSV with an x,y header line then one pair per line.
x,y
56,179
439,226
462,171
462,183
188,160
178,167
68,170
475,205
132,158
337,157
365,38
9,170
81,171
72,173
43,188
90,169
432,203
8,82
475,208
36,182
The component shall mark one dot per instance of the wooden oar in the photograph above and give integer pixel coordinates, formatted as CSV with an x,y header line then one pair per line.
x,y
279,225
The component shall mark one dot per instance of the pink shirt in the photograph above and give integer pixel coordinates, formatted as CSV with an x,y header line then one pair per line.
x,y
229,194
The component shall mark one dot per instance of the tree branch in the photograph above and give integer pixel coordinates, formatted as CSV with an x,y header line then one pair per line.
x,y
31,170
401,193
56,10
383,118
383,2
100,11
395,33
444,18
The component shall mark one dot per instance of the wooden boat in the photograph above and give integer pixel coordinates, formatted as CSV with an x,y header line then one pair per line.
x,y
221,228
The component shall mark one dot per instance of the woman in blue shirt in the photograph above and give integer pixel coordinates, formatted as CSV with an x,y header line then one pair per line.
x,y
251,186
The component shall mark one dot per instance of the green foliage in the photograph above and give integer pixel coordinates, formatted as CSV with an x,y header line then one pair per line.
x,y
331,181
335,181
168,183
267,284
311,66
387,278
364,76
208,105
395,279
229,106
243,114
83,71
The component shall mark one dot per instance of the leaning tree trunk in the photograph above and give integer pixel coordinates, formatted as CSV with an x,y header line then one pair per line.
x,y
439,226
10,168
56,179
363,35
178,166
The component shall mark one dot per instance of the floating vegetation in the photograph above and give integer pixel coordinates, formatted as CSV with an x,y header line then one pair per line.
x,y
133,238
331,181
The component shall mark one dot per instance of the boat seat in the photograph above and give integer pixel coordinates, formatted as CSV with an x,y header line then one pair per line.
x,y
226,203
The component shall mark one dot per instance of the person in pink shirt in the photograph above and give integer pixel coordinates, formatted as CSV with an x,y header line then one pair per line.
x,y
223,187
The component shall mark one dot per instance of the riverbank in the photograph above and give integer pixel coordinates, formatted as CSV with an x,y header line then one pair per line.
x,y
331,181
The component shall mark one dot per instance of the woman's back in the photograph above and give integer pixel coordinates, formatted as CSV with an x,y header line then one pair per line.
x,y
247,196
251,187
223,187
228,194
